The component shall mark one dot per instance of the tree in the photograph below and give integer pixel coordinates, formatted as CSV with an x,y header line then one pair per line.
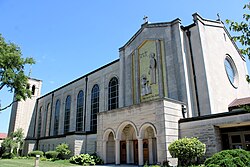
x,y
14,142
8,144
18,137
12,67
243,33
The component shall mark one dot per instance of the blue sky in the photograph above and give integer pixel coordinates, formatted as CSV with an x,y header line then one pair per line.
x,y
71,38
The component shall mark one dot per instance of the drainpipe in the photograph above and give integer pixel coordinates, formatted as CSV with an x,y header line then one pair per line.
x,y
188,32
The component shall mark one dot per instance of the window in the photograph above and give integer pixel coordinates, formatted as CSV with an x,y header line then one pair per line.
x,y
231,71
94,107
79,112
33,89
113,94
56,118
39,124
67,114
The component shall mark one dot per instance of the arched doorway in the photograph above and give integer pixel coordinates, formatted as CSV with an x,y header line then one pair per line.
x,y
125,142
148,136
127,151
110,149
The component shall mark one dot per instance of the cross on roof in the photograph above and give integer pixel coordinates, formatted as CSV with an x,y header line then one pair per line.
x,y
145,18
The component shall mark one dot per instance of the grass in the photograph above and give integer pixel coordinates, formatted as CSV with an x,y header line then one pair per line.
x,y
31,162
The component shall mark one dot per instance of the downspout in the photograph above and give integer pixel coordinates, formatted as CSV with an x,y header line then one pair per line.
x,y
85,111
188,32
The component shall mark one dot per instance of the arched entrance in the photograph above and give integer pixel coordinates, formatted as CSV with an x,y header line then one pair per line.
x,y
109,147
126,141
128,137
148,137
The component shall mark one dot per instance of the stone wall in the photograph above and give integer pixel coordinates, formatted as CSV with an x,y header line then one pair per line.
x,y
207,130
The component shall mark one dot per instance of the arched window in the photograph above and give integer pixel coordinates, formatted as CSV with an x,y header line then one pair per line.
x,y
56,118
113,100
67,114
39,123
33,89
79,112
94,107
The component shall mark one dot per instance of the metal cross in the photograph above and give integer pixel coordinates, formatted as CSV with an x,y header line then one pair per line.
x,y
145,18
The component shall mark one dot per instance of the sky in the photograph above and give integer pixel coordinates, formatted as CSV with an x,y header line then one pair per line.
x,y
70,38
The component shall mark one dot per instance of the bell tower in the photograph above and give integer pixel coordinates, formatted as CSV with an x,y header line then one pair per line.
x,y
22,111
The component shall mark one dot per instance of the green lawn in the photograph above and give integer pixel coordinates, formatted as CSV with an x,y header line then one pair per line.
x,y
31,162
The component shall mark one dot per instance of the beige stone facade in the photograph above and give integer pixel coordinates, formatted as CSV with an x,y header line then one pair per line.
x,y
170,81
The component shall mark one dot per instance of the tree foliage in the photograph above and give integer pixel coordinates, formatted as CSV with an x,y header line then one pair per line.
x,y
242,31
14,143
12,71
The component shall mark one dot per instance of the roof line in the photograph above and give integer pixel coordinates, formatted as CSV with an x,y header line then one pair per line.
x,y
86,75
149,25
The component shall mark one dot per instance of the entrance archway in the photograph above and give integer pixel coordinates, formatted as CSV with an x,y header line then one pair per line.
x,y
148,135
127,137
109,150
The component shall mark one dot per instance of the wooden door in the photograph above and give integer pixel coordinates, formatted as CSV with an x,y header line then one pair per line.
x,y
136,151
123,154
145,151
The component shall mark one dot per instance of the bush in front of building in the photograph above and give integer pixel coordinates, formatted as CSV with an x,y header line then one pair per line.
x,y
86,159
8,155
232,158
186,150
51,154
34,153
63,150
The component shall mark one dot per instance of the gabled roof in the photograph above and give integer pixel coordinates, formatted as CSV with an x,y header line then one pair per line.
x,y
3,135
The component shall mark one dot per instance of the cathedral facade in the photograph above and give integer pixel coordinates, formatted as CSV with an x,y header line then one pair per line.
x,y
170,81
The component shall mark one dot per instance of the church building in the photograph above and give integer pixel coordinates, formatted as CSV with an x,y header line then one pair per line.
x,y
170,81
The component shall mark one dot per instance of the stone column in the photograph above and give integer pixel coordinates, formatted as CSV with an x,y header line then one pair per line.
x,y
127,151
140,152
117,152
132,160
150,150
104,145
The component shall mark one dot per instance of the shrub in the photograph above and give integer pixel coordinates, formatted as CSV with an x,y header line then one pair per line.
x,y
8,155
51,154
232,158
97,159
186,150
86,159
63,150
34,153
